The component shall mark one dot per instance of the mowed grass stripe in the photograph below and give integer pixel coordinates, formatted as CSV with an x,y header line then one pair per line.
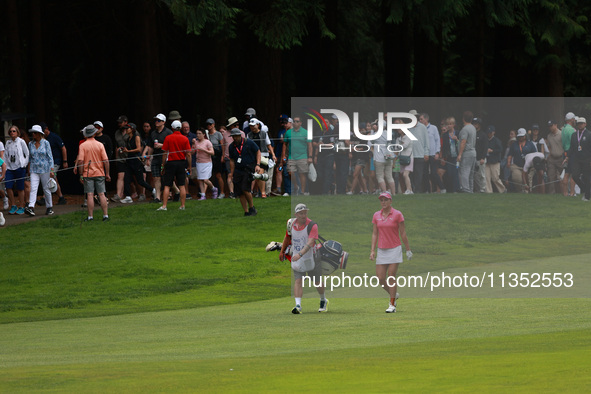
x,y
267,328
506,362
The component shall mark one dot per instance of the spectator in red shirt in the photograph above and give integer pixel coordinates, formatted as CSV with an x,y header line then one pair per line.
x,y
177,150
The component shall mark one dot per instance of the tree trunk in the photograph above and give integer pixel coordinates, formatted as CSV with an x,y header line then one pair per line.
x,y
148,75
397,58
219,78
14,62
37,62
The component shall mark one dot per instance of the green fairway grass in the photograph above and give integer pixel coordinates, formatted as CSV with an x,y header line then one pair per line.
x,y
191,302
429,344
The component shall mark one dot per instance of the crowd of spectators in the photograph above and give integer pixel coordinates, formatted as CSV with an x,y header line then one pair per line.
x,y
466,157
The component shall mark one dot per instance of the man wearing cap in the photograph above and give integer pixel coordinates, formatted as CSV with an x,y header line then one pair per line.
x,y
249,114
493,162
481,150
93,167
535,164
154,148
516,156
567,131
302,237
176,149
555,158
245,159
231,124
420,153
579,157
261,138
60,157
467,154
217,140
103,138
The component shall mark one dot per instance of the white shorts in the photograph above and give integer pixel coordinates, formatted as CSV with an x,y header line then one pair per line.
x,y
389,256
204,170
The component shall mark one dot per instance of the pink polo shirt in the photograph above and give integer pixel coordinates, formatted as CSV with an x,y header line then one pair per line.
x,y
388,233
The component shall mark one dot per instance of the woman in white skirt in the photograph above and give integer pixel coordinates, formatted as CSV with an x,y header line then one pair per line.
x,y
388,231
204,151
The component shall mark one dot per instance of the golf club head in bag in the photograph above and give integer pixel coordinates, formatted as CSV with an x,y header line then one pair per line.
x,y
273,245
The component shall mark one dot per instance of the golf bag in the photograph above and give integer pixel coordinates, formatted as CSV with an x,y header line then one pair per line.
x,y
329,256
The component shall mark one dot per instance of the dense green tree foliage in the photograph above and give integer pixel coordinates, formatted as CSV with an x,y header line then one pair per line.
x,y
68,63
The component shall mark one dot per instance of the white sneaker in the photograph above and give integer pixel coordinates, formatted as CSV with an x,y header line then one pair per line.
x,y
323,305
2,220
391,309
284,195
408,192
349,193
221,196
584,199
162,208
127,200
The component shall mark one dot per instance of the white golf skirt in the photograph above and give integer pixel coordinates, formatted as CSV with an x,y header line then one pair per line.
x,y
389,256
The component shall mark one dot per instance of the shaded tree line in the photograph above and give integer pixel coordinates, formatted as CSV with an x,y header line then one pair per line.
x,y
71,62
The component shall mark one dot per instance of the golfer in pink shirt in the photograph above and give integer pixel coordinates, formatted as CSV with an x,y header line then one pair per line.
x,y
388,230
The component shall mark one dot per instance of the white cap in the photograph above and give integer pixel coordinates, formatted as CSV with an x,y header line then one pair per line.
x,y
176,125
521,132
98,122
289,120
160,117
569,116
581,120
300,207
413,112
253,121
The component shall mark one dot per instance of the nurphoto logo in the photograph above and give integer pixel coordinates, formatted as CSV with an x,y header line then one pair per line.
x,y
345,130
